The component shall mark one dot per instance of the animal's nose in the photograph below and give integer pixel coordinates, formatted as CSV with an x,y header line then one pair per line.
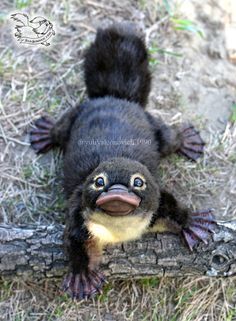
x,y
118,187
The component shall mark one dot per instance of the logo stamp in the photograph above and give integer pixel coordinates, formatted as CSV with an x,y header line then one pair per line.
x,y
36,31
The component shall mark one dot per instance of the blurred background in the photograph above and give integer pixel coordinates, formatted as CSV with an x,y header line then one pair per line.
x,y
192,48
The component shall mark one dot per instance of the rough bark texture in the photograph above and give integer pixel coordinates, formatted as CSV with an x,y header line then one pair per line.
x,y
37,251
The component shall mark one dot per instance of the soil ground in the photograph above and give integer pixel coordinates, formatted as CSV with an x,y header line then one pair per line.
x,y
193,80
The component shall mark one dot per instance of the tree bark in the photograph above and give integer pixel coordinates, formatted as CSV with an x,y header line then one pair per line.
x,y
38,252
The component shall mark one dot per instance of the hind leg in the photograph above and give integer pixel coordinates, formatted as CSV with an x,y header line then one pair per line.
x,y
48,134
184,140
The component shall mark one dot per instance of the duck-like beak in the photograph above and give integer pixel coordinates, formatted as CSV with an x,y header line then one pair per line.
x,y
118,201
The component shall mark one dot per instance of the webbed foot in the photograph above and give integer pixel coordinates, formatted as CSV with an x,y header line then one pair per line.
x,y
40,138
192,144
83,285
200,228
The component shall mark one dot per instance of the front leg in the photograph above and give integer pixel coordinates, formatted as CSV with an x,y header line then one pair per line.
x,y
83,279
194,226
184,140
84,252
48,134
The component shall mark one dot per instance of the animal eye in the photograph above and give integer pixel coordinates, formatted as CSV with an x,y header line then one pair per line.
x,y
138,182
99,182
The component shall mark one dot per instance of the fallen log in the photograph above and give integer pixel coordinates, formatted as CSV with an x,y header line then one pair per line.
x,y
37,251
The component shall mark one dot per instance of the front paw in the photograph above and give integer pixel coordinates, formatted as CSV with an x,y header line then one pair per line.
x,y
192,144
201,226
83,285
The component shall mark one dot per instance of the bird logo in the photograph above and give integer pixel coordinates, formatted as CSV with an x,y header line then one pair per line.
x,y
32,32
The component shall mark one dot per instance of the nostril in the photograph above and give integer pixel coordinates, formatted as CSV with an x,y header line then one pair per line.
x,y
118,187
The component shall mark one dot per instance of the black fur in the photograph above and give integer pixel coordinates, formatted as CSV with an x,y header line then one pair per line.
x,y
112,133
106,128
169,207
116,64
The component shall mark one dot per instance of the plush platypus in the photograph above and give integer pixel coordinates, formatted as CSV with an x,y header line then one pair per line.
x,y
112,148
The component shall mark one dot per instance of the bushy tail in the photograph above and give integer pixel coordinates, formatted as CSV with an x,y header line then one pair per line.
x,y
116,64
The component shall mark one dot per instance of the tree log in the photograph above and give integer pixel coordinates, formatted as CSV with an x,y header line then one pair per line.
x,y
37,251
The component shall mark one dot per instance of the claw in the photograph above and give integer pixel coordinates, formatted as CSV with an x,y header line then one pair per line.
x,y
44,123
83,285
199,232
190,239
210,226
190,154
40,137
200,228
197,148
188,130
197,138
192,144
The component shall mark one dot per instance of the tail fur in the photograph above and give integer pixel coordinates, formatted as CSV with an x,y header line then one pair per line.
x,y
116,64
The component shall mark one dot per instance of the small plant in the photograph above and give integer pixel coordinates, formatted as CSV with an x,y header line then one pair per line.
x,y
54,104
187,25
105,293
154,50
149,282
233,114
21,4
181,24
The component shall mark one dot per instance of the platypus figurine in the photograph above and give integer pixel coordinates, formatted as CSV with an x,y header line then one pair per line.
x,y
112,148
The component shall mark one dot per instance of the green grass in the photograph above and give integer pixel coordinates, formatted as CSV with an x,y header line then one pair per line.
x,y
22,4
104,297
233,114
180,23
6,289
187,25
152,282
154,51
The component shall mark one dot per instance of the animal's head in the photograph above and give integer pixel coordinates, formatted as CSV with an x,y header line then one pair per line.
x,y
121,187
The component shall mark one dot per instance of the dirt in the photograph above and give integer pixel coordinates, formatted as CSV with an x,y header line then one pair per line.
x,y
203,77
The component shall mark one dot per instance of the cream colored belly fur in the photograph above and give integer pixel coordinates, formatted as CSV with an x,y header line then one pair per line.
x,y
110,229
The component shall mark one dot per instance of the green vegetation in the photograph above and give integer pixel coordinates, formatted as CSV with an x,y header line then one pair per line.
x,y
186,25
179,23
21,4
154,50
233,115
152,282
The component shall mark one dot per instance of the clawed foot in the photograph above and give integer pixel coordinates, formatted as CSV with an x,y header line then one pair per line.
x,y
40,138
192,143
83,285
201,226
